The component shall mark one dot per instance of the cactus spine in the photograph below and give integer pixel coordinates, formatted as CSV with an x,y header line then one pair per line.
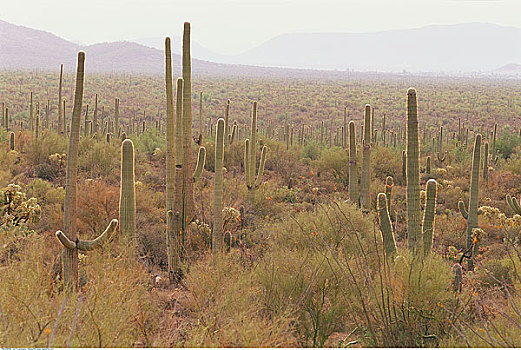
x,y
127,197
385,225
365,180
413,171
217,231
431,189
472,215
353,169
69,238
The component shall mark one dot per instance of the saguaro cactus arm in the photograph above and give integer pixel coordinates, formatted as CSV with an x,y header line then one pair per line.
x,y
462,210
513,204
201,159
260,171
90,244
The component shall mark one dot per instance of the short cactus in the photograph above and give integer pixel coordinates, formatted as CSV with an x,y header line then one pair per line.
x,y
428,215
11,141
385,225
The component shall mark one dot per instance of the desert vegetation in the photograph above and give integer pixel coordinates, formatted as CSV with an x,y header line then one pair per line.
x,y
146,211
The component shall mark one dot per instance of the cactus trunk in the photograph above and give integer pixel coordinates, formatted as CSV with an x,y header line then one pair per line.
x,y
413,172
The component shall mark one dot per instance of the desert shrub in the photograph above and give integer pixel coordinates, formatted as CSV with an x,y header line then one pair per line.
x,y
386,162
311,150
113,309
507,141
98,159
148,142
41,148
336,162
227,302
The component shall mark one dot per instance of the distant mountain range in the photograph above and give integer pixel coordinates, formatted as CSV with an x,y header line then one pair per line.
x,y
463,48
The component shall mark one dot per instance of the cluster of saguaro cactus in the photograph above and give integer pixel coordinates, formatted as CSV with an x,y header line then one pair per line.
x,y
414,224
472,214
253,176
180,178
69,238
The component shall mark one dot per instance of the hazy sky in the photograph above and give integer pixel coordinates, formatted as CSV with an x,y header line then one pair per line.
x,y
232,26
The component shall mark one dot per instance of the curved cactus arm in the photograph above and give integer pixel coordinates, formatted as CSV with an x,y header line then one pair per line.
x,y
513,204
98,241
201,159
65,241
442,158
260,172
88,245
462,210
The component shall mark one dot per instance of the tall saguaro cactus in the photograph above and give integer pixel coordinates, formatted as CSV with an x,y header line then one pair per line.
x,y
69,238
127,196
217,231
353,168
188,189
60,111
472,215
413,172
365,180
170,156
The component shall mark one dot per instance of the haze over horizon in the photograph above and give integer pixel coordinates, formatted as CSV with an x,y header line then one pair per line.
x,y
234,26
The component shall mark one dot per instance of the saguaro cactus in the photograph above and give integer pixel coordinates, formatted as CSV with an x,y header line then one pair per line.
x,y
60,112
385,225
485,162
188,190
69,238
365,180
127,197
472,215
431,189
250,157
353,168
413,172
217,231
11,141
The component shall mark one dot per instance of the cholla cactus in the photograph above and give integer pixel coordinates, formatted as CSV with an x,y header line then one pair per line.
x,y
58,160
16,209
232,218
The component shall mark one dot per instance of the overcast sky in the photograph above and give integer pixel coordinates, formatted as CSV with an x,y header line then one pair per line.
x,y
232,26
